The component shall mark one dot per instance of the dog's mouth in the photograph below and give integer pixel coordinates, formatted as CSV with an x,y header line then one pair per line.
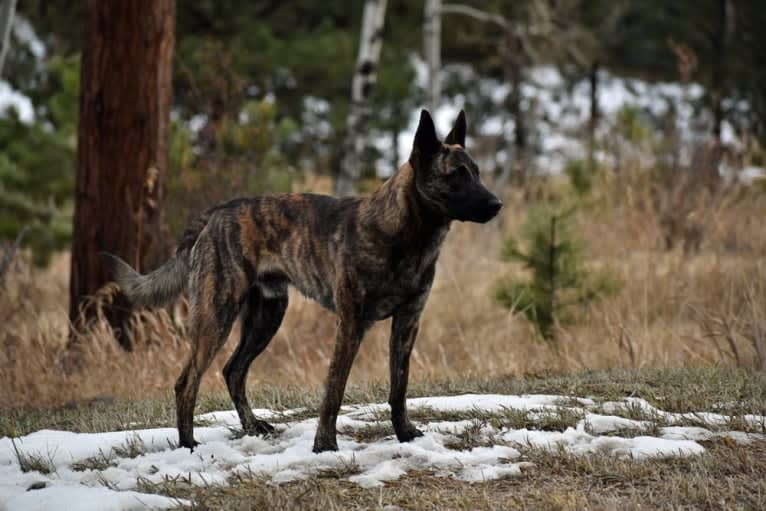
x,y
485,218
486,212
493,208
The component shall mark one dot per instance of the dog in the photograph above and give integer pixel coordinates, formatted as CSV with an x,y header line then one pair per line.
x,y
366,259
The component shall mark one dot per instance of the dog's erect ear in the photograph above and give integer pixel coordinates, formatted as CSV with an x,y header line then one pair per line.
x,y
457,135
426,141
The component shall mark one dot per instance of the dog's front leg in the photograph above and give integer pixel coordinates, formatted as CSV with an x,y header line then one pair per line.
x,y
404,329
348,338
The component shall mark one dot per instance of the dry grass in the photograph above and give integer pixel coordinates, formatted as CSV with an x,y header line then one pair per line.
x,y
674,310
728,475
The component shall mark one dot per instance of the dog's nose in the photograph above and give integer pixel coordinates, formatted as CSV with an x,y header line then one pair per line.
x,y
494,204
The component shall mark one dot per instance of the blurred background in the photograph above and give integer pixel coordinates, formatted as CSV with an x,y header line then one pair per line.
x,y
625,136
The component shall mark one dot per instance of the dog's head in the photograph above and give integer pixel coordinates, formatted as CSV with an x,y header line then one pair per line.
x,y
446,177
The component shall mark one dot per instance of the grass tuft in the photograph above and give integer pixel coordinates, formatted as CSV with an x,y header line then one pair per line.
x,y
370,432
344,470
133,447
33,462
99,462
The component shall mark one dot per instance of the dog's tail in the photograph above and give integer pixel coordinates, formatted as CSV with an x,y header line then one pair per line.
x,y
154,289
162,285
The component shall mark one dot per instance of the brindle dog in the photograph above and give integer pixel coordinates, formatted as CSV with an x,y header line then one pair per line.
x,y
366,259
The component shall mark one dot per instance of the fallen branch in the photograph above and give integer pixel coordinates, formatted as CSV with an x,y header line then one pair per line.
x,y
475,13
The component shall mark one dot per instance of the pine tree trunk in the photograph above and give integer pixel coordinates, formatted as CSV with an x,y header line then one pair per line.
x,y
718,72
553,276
395,148
518,156
370,43
122,146
432,28
513,167
594,112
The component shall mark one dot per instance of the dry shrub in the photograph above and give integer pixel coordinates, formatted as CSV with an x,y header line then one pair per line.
x,y
674,309
663,314
35,336
462,333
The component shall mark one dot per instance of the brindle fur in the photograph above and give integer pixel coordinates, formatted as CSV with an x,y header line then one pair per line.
x,y
366,259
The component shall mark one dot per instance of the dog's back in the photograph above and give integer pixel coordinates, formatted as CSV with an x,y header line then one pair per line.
x,y
273,241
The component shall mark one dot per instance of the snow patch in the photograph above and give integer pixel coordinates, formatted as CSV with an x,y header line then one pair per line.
x,y
557,114
11,98
26,35
287,455
86,498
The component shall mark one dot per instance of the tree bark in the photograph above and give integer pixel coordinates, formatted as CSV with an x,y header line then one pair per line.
x,y
395,148
514,75
122,146
7,11
594,111
720,39
432,28
370,43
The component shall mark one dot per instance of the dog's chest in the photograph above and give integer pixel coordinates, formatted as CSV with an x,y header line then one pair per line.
x,y
406,277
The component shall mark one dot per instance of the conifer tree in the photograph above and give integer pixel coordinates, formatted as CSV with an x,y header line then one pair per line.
x,y
559,282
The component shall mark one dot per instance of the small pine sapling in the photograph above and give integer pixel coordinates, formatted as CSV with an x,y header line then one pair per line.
x,y
559,281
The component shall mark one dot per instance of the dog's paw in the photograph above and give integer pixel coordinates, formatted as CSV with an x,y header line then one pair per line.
x,y
259,428
188,443
324,444
408,433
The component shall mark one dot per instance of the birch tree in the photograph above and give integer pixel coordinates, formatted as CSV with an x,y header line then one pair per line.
x,y
370,43
535,32
7,11
432,28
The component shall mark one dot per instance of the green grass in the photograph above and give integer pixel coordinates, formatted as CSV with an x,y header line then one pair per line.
x,y
727,475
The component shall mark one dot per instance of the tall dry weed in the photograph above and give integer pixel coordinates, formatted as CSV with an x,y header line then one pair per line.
x,y
674,309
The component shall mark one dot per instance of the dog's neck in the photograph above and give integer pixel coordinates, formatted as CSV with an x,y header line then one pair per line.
x,y
397,208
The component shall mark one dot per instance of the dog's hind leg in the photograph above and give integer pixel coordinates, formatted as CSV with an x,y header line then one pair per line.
x,y
261,318
210,327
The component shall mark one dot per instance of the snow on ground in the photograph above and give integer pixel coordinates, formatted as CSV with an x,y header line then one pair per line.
x,y
557,114
11,98
96,470
24,35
